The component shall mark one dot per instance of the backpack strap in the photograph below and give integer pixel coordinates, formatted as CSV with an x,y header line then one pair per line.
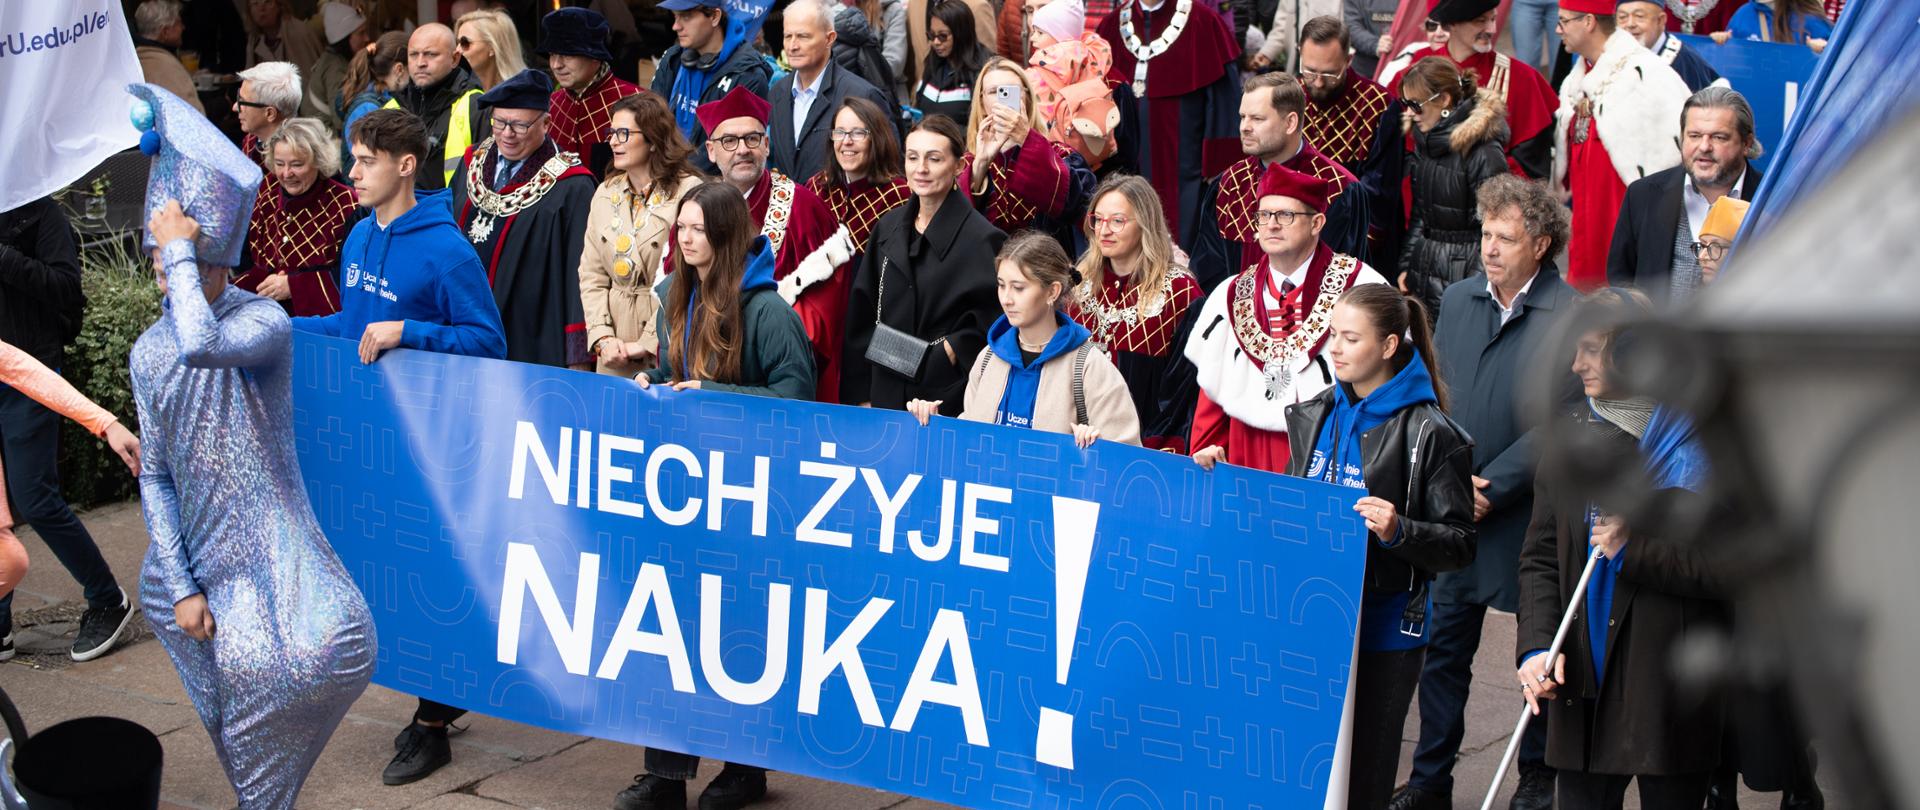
x,y
986,356
1080,382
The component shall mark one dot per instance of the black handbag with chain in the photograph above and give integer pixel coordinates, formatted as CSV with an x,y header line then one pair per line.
x,y
890,348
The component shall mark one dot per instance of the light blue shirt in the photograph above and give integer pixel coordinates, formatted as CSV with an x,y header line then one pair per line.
x,y
803,99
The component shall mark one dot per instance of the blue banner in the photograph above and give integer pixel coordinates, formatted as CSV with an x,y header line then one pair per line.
x,y
1773,77
966,613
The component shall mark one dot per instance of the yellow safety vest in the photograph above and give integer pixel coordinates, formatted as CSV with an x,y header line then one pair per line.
x,y
459,134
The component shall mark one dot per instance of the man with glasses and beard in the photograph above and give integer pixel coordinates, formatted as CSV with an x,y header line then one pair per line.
x,y
810,248
1472,28
1356,123
1661,215
523,205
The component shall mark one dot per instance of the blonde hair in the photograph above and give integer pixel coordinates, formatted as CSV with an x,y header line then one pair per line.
x,y
1156,244
310,136
980,101
496,29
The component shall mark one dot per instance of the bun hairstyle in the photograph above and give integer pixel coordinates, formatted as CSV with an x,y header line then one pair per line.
x,y
1393,312
1041,259
1438,74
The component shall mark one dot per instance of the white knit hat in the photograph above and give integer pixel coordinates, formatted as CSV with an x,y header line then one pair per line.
x,y
1062,19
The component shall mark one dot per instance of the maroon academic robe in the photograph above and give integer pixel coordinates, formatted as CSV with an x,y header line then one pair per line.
x,y
811,250
1239,197
1022,187
580,121
300,237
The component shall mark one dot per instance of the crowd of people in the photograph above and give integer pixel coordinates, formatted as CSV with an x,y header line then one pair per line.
x,y
1159,224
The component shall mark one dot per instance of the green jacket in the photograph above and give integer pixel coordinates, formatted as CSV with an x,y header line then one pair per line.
x,y
777,359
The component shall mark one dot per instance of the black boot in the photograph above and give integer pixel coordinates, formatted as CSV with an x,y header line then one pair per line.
x,y
1723,793
649,792
1413,798
1536,788
421,751
737,786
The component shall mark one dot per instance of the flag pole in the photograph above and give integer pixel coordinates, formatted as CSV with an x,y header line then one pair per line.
x,y
1526,712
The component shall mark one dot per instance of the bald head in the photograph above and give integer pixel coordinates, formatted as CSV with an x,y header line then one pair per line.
x,y
431,55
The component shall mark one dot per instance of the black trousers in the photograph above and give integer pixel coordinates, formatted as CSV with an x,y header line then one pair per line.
x,y
436,712
30,446
1443,699
1579,790
675,765
1383,689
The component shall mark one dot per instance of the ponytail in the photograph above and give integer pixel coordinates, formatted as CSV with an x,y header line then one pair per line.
x,y
1397,313
374,62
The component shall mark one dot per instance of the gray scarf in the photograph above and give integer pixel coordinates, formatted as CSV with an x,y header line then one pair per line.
x,y
1631,415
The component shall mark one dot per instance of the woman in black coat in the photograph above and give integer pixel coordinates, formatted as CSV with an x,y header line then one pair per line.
x,y
1383,428
1618,713
928,273
1458,137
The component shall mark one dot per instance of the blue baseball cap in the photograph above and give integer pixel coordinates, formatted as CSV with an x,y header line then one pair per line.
x,y
689,5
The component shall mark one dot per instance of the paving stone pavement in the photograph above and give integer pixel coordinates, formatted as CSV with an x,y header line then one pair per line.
x,y
497,765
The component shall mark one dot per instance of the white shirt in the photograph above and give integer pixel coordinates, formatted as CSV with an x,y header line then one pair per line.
x,y
1697,205
803,98
1511,308
1298,278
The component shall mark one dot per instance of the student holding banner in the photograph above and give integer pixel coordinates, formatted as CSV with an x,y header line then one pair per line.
x,y
1383,427
1040,368
726,329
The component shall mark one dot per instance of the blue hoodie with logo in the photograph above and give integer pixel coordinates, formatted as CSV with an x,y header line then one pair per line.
x,y
1023,378
421,271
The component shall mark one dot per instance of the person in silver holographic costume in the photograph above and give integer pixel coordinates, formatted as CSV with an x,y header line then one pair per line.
x,y
272,639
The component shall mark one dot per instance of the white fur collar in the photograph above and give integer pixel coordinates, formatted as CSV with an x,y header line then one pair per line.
x,y
1636,97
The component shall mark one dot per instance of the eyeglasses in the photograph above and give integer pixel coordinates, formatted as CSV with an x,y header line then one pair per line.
x,y
1316,76
1284,219
1113,224
618,135
730,143
1710,250
1416,106
518,128
254,104
850,135
465,43
1566,20
939,36
1431,26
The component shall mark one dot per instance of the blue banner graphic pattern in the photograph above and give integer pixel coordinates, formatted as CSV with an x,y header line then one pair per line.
x,y
971,614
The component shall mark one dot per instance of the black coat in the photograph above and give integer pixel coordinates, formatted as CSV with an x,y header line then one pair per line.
x,y
802,159
1447,164
938,285
743,68
41,303
433,104
1486,365
1416,461
1635,720
1641,255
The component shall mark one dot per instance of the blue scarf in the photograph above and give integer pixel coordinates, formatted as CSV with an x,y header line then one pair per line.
x,y
1023,379
1674,459
1337,459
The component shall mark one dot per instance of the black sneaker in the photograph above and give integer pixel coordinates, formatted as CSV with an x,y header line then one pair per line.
x,y
1413,798
649,792
423,750
6,647
100,629
734,788
1536,789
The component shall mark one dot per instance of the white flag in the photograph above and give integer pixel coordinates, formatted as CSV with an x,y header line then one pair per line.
x,y
64,71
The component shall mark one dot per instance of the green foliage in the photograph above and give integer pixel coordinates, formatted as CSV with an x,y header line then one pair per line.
x,y
122,301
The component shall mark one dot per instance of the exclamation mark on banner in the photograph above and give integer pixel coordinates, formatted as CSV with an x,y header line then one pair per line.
x,y
1073,524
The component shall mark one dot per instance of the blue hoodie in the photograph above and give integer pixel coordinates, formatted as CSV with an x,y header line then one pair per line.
x,y
1337,459
436,288
1023,379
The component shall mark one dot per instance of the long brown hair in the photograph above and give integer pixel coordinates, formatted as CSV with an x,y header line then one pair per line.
x,y
1789,18
715,337
883,145
1395,313
374,63
1156,242
667,149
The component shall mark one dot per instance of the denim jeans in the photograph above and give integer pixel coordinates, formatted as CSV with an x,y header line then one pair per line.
x,y
1444,685
1535,40
30,443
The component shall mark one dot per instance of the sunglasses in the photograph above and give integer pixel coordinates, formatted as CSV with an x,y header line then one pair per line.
x,y
1416,106
254,104
1431,26
465,43
939,37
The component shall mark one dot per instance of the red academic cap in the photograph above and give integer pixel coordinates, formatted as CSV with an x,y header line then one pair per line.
x,y
1280,181
738,103
1603,8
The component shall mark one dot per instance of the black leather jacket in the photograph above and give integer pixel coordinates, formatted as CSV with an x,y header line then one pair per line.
x,y
1422,463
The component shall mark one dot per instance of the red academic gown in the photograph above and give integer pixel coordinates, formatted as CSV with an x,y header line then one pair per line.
x,y
810,264
1032,182
1146,349
580,121
1531,103
301,237
1233,316
1595,185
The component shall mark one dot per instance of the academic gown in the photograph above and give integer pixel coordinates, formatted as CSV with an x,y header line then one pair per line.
x,y
1228,241
301,237
1238,408
1190,108
1360,129
532,256
810,265
1146,350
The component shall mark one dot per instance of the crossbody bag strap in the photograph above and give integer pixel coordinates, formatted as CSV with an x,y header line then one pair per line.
x,y
1080,382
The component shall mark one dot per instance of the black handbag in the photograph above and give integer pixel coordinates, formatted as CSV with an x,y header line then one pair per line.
x,y
890,348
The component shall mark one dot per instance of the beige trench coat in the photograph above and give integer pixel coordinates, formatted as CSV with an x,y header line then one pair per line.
x,y
625,240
